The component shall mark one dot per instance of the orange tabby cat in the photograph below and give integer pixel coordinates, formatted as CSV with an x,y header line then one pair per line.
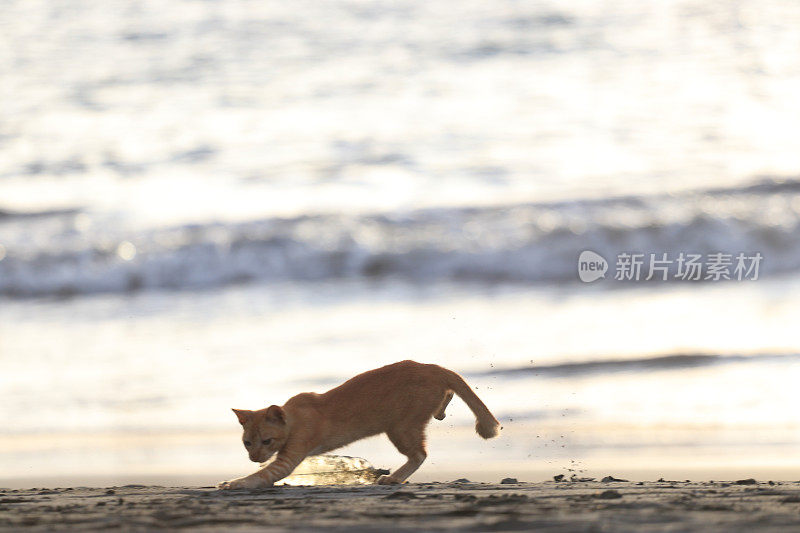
x,y
397,399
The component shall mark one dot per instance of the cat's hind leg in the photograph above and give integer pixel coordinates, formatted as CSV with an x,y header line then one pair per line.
x,y
411,443
440,412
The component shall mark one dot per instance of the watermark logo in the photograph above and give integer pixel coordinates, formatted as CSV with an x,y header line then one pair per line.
x,y
591,266
685,266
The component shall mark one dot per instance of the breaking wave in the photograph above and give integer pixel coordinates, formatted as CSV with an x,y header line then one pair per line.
x,y
51,254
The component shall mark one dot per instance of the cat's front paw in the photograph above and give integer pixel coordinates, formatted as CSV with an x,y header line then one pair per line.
x,y
388,480
247,482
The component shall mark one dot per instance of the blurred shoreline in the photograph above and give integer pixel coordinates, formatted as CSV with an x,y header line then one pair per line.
x,y
205,458
593,376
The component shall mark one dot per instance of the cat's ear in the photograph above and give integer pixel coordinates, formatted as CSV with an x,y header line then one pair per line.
x,y
275,414
243,415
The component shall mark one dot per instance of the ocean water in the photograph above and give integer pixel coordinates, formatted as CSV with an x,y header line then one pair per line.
x,y
215,204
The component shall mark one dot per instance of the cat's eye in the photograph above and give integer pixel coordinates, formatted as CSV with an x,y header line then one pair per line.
x,y
247,443
265,442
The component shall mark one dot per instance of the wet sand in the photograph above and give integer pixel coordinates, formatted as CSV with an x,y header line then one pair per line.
x,y
549,506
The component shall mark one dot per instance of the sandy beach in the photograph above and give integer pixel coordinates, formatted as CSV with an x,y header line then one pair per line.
x,y
729,506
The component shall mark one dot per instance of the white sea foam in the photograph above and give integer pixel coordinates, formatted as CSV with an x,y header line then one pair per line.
x,y
517,243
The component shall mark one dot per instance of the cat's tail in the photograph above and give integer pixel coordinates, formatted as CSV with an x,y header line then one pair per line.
x,y
486,424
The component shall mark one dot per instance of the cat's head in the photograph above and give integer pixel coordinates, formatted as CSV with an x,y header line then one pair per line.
x,y
265,431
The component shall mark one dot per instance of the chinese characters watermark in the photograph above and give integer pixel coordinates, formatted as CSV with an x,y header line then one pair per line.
x,y
684,266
